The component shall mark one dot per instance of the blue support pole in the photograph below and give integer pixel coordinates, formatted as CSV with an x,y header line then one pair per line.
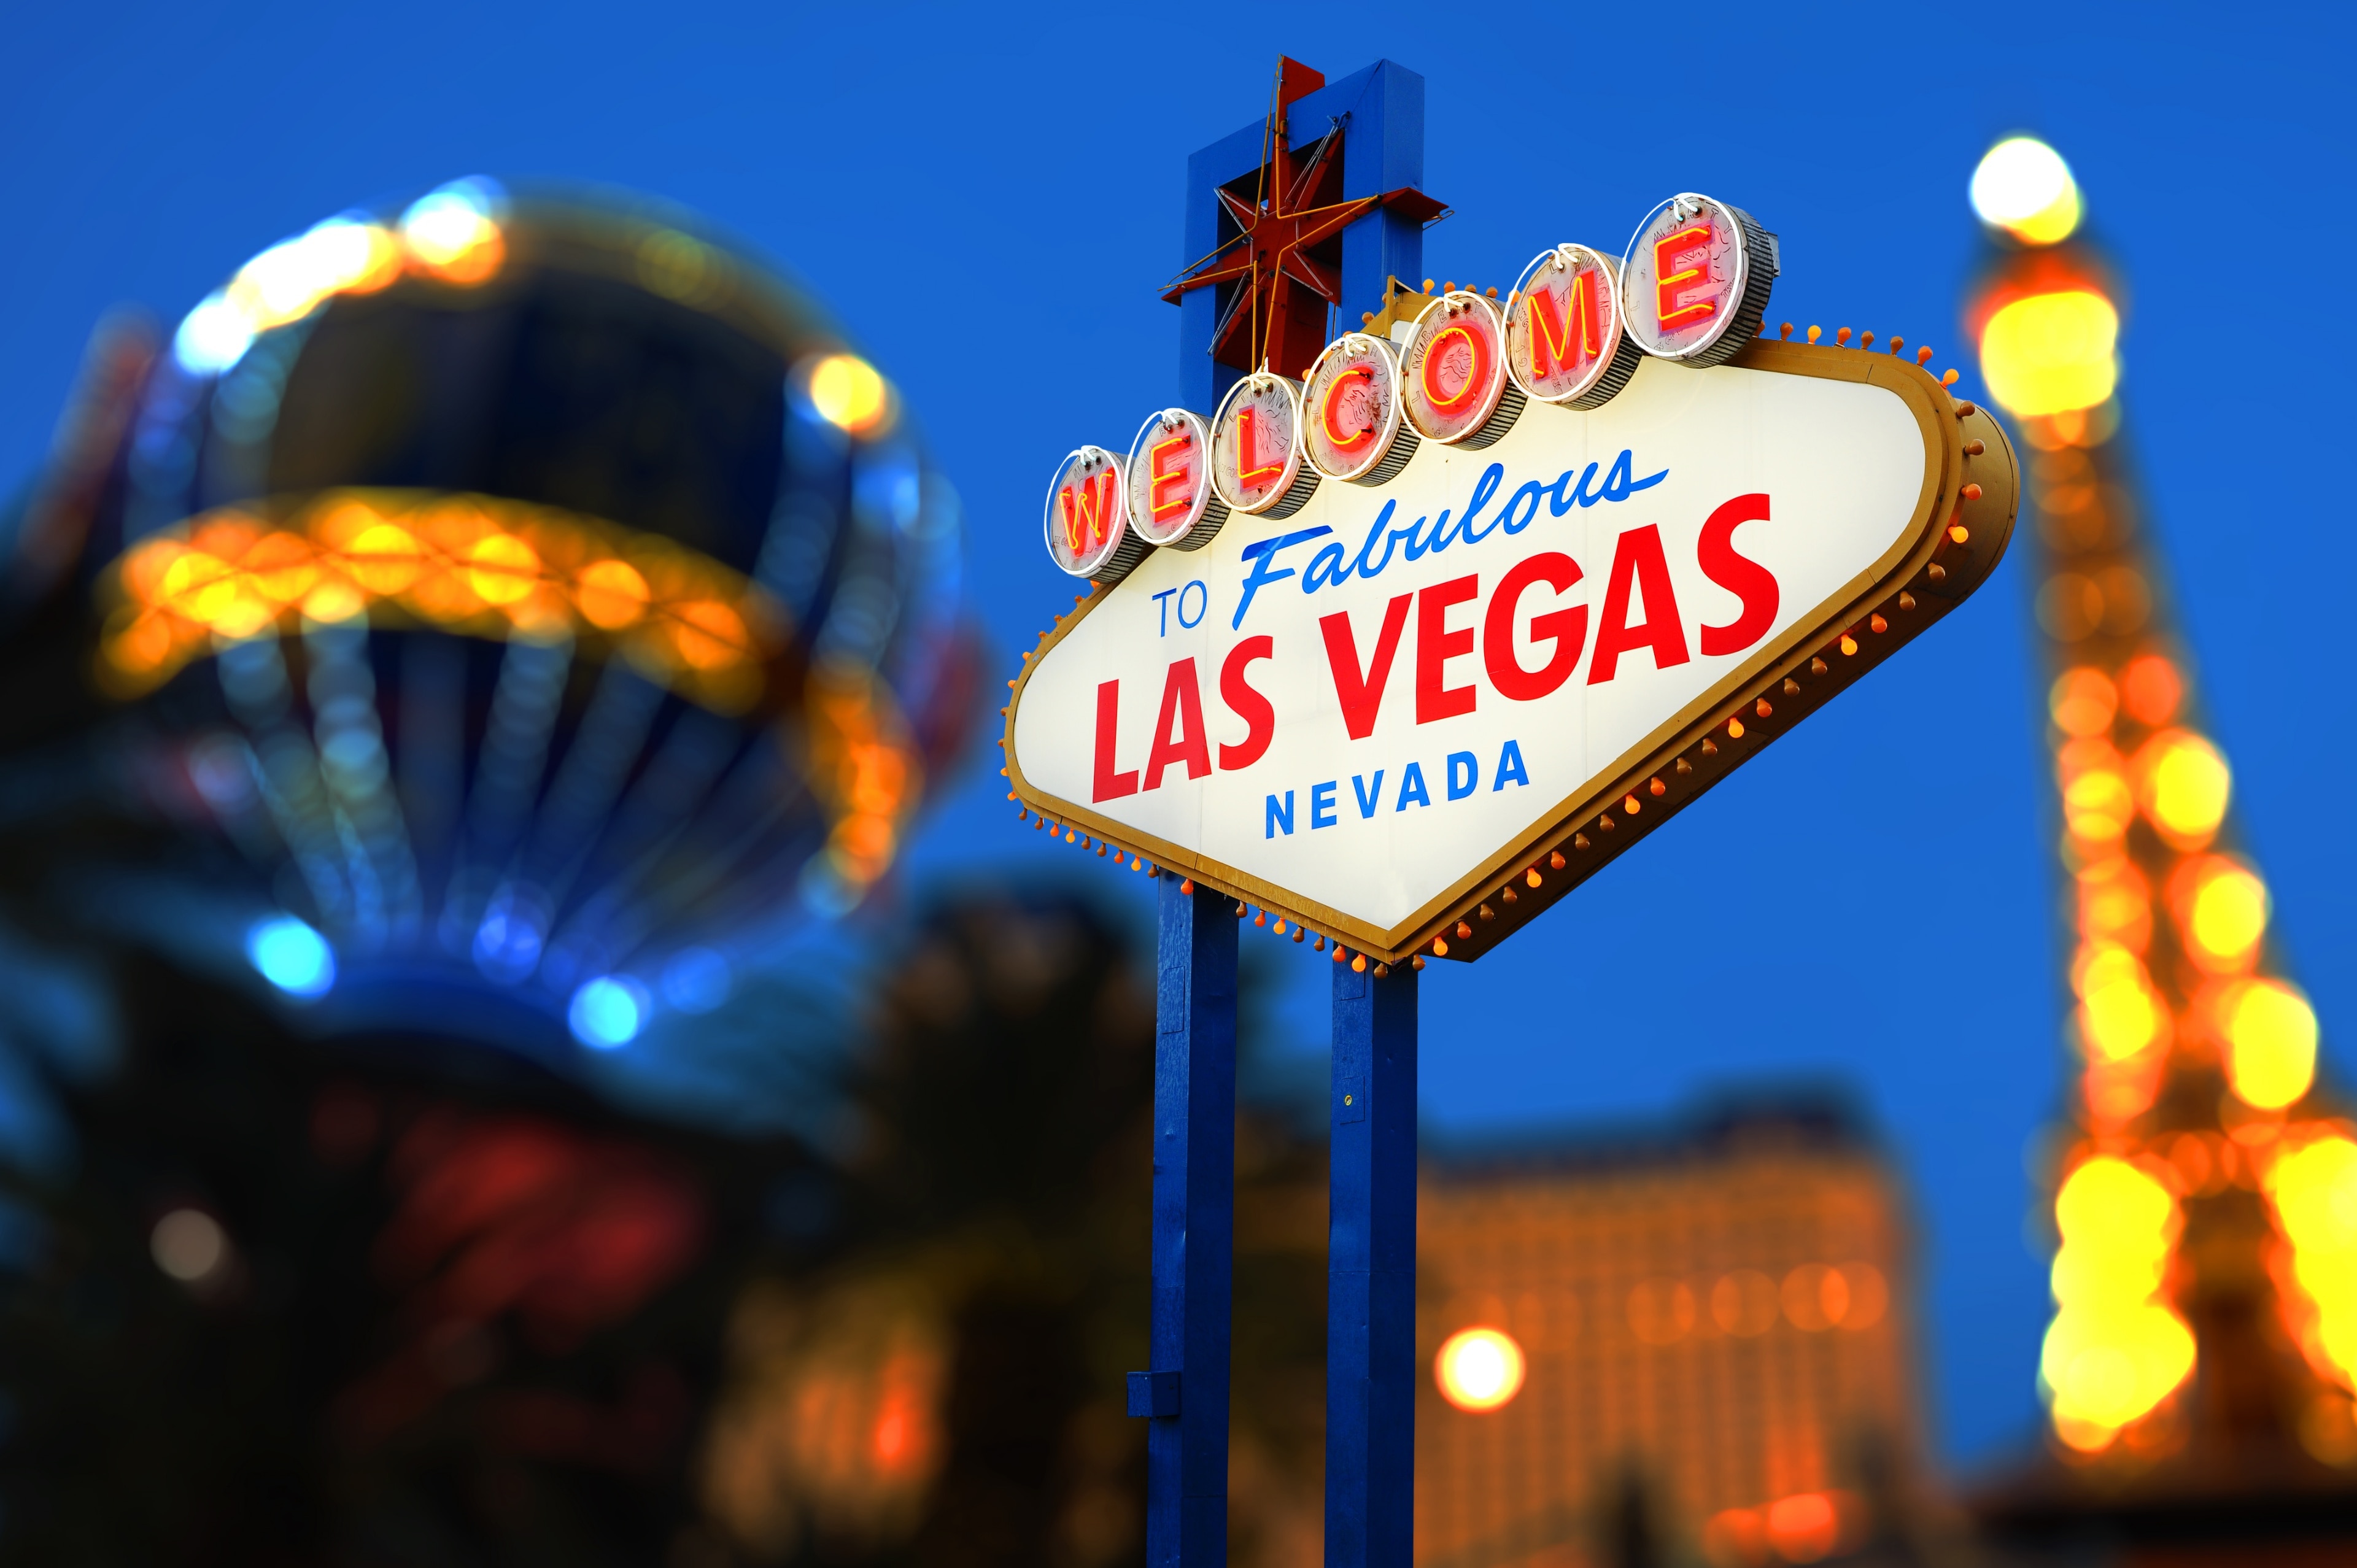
x,y
1371,1284
1185,1395
1371,1274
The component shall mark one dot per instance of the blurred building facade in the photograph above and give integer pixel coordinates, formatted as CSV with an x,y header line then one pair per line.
x,y
1647,1351
2198,1368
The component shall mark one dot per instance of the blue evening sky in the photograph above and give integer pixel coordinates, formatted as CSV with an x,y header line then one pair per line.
x,y
988,197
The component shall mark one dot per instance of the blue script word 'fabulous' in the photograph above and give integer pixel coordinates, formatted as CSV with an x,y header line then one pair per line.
x,y
1461,771
1334,565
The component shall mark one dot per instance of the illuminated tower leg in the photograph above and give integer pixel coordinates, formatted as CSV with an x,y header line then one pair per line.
x,y
1185,1394
1371,1274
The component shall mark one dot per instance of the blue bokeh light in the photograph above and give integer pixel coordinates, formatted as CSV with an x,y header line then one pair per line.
x,y
608,1012
291,956
696,980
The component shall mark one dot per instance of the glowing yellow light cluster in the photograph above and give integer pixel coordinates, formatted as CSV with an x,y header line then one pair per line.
x,y
2024,187
469,564
1478,1370
848,394
2269,1032
2116,1348
2121,1015
2178,779
2052,353
2222,912
2312,1187
2183,783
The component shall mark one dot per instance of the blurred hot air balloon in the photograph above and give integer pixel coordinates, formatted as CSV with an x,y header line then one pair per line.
x,y
438,681
492,615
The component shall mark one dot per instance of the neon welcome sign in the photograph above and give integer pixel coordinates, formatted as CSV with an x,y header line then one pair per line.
x,y
1405,651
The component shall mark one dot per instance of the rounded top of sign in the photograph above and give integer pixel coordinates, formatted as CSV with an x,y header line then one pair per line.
x,y
1088,511
1453,370
1257,442
1563,326
1170,476
1693,285
1350,405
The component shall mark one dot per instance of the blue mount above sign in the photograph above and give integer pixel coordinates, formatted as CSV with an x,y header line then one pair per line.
x,y
1379,112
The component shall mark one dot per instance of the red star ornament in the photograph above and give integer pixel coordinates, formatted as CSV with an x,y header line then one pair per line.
x,y
1286,256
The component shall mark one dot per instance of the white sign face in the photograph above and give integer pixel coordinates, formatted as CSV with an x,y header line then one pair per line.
x,y
1364,706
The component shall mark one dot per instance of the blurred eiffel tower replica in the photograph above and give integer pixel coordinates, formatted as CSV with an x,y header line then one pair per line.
x,y
2198,1369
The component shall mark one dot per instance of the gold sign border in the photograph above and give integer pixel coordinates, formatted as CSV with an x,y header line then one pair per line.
x,y
1926,574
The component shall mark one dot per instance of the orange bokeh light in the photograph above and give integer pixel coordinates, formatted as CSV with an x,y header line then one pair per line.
x,y
2150,689
612,593
1803,1527
478,566
2115,904
467,564
2084,702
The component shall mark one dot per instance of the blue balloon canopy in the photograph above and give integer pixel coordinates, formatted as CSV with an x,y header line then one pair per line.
x,y
500,614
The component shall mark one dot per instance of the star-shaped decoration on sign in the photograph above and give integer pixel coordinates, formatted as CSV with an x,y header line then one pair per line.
x,y
1285,258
